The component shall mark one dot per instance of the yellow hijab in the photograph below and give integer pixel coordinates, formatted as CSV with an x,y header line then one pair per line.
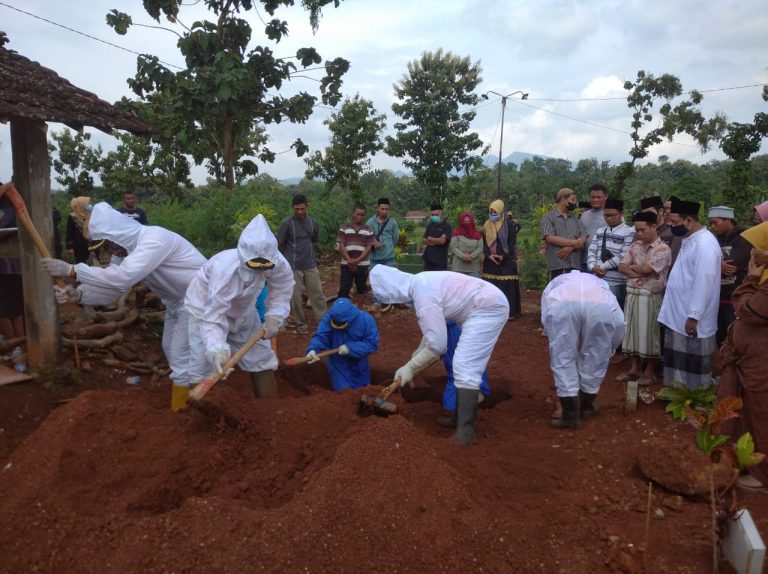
x,y
758,237
491,228
79,214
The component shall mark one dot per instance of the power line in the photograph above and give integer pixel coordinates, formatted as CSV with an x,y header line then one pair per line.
x,y
84,34
614,98
587,122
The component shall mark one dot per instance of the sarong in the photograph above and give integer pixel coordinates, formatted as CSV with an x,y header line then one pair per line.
x,y
688,360
642,336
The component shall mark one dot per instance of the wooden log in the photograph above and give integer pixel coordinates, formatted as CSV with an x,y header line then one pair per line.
x,y
103,329
9,344
94,343
153,316
31,169
135,366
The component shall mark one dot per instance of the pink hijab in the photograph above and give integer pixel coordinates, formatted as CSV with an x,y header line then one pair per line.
x,y
761,211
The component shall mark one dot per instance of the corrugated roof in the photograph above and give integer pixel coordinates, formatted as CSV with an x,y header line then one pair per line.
x,y
30,90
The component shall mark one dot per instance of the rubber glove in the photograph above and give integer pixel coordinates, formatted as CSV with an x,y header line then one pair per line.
x,y
405,374
343,350
271,327
67,294
57,267
312,356
218,357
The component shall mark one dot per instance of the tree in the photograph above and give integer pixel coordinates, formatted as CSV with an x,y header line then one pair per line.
x,y
434,135
686,117
76,161
140,166
355,137
740,142
212,106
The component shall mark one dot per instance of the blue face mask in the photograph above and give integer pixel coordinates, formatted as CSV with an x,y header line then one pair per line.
x,y
435,219
494,216
678,230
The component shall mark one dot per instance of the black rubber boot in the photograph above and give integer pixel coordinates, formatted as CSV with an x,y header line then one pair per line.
x,y
263,384
466,416
448,422
570,418
587,405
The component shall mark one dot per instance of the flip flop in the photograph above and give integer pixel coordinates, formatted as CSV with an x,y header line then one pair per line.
x,y
624,377
749,482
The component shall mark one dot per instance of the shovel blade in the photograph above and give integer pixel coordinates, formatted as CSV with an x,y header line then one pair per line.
x,y
377,405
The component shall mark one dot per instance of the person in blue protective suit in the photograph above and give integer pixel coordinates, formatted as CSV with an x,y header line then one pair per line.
x,y
355,334
449,394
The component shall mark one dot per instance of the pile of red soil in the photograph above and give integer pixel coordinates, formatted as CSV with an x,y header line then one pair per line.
x,y
114,482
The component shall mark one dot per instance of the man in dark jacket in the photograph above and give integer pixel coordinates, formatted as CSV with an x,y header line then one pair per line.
x,y
437,239
733,267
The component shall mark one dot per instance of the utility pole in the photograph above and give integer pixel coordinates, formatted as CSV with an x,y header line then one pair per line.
x,y
501,137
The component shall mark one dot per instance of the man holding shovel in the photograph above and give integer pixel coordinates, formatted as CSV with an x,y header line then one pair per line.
x,y
221,301
162,259
481,310
354,333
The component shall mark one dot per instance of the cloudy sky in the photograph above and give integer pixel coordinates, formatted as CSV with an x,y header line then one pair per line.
x,y
554,50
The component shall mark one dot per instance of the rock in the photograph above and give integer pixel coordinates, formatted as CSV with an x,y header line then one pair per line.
x,y
658,514
679,466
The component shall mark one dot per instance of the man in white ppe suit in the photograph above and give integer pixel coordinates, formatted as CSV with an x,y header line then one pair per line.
x,y
584,323
439,296
222,303
162,259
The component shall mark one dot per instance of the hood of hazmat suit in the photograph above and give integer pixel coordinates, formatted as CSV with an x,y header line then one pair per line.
x,y
222,296
360,334
391,285
164,260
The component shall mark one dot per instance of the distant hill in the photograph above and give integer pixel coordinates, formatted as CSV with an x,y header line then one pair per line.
x,y
516,157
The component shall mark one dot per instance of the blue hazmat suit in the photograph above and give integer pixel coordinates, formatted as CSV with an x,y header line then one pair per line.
x,y
449,394
358,332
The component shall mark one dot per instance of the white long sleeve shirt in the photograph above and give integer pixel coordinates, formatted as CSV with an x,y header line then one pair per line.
x,y
162,259
437,297
222,296
693,289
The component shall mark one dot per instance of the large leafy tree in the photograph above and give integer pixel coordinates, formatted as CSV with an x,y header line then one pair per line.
x,y
75,161
684,117
433,136
355,137
226,91
140,166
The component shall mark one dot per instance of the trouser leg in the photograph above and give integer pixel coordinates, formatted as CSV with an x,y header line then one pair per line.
x,y
296,299
314,288
345,281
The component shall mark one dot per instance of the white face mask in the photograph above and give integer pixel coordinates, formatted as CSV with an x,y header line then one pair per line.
x,y
494,217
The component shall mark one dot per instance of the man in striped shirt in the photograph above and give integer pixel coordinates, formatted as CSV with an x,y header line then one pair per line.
x,y
355,242
606,250
564,235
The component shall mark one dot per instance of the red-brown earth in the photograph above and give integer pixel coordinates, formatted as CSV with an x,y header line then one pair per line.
x,y
99,476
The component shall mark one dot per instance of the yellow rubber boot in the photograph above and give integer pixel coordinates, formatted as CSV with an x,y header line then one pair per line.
x,y
179,396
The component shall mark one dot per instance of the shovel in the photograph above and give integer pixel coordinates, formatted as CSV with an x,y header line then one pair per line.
x,y
379,404
202,389
305,359
22,215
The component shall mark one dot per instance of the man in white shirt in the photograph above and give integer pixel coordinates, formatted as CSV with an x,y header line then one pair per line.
x,y
689,310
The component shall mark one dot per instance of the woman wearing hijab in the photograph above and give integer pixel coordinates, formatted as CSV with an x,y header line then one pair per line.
x,y
500,249
466,246
79,210
743,355
760,213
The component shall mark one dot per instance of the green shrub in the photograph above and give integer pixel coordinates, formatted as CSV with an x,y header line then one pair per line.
x,y
532,268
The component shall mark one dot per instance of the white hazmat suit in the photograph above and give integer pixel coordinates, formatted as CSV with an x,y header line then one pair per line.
x,y
584,324
162,259
480,308
222,301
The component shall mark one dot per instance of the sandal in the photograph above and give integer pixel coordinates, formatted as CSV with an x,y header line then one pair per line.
x,y
628,376
749,482
646,380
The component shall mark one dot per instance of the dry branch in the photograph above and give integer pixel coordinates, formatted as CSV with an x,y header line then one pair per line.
x,y
103,329
94,343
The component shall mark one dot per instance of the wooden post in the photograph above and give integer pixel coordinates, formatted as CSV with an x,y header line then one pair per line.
x,y
32,176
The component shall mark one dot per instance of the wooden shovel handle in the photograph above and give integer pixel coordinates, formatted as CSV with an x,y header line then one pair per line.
x,y
202,389
22,215
388,391
305,359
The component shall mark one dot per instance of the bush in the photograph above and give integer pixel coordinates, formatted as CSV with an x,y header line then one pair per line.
x,y
532,269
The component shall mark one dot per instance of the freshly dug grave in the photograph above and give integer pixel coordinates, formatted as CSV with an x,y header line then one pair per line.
x,y
112,481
